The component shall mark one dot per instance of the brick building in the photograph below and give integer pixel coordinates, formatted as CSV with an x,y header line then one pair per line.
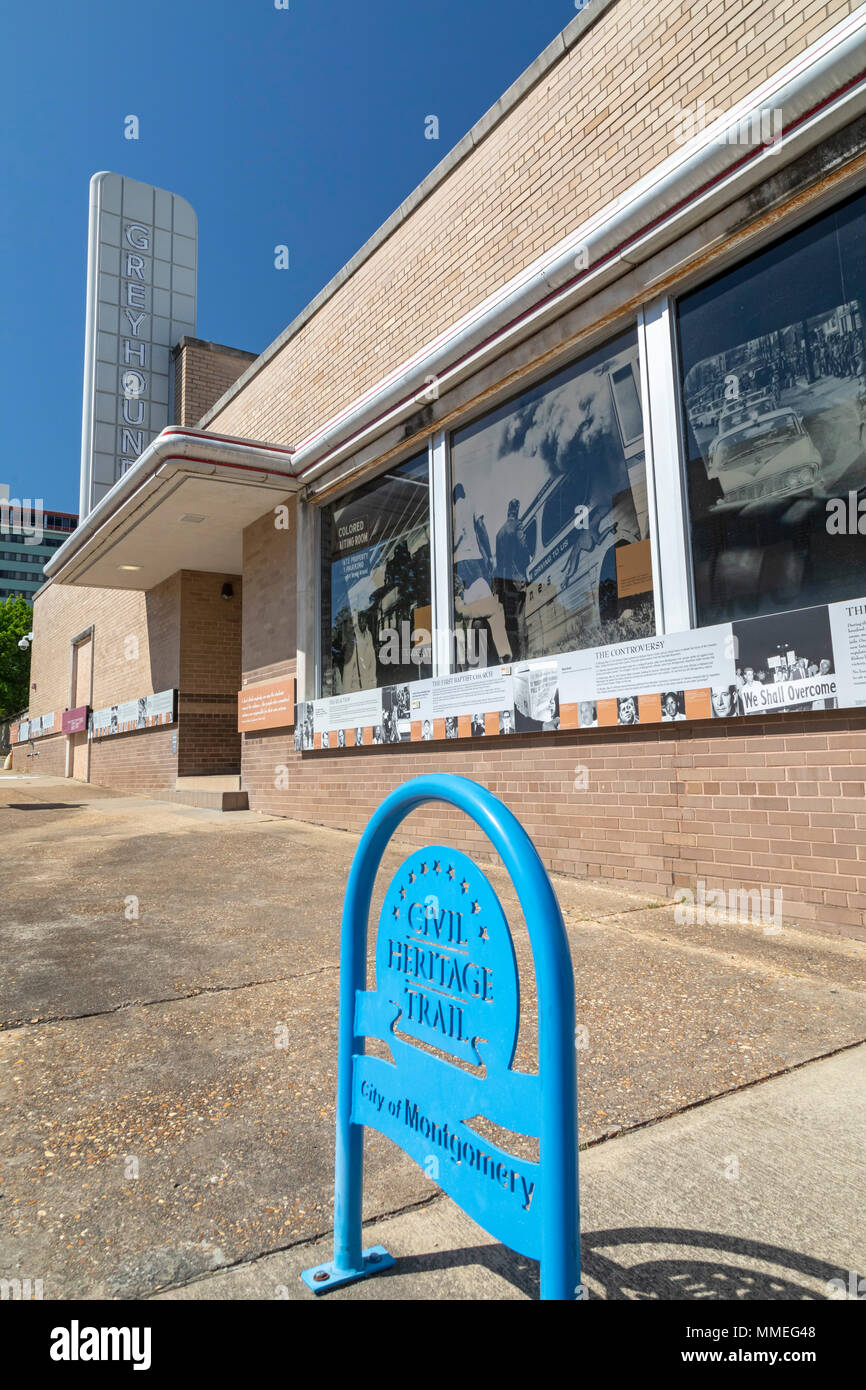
x,y
571,450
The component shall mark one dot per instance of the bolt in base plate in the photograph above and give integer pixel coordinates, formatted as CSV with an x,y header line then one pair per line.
x,y
373,1261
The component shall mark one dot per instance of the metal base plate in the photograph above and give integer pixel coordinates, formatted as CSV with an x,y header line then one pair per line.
x,y
373,1261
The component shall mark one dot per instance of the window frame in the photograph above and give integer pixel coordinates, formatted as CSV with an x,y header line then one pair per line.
x,y
731,258
593,344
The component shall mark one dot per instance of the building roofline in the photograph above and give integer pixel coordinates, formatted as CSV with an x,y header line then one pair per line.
x,y
528,79
205,345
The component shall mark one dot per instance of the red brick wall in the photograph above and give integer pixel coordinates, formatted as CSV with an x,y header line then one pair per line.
x,y
775,803
203,371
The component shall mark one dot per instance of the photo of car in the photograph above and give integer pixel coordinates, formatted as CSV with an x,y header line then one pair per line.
x,y
761,456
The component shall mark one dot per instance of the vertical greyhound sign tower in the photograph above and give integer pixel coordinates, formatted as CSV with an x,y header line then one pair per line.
x,y
446,975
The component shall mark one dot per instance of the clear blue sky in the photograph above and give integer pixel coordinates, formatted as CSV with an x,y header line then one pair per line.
x,y
303,127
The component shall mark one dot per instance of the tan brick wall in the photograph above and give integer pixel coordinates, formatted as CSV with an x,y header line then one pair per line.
x,y
136,646
135,651
605,115
749,804
210,674
270,598
49,759
135,762
181,635
202,373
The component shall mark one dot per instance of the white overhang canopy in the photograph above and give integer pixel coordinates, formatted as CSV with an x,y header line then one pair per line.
x,y
183,505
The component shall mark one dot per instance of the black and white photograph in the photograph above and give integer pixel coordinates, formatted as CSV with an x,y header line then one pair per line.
x,y
673,706
587,714
375,583
536,696
725,701
547,491
774,392
396,714
786,662
627,710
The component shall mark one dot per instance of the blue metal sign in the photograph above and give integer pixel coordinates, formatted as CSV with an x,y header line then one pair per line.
x,y
446,977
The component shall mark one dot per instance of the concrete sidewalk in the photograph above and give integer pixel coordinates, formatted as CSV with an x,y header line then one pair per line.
x,y
169,981
755,1196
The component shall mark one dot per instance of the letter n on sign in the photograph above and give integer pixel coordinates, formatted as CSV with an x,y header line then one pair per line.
x,y
446,976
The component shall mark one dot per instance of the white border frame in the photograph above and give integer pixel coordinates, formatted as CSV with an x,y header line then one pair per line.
x,y
441,583
672,566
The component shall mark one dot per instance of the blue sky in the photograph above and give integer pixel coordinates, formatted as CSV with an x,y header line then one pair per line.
x,y
302,127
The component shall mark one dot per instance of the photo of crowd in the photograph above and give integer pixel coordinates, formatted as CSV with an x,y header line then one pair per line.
x,y
785,648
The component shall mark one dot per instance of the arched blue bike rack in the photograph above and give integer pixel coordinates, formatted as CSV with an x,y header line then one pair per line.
x,y
446,975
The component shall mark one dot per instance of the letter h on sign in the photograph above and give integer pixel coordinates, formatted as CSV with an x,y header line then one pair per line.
x,y
446,975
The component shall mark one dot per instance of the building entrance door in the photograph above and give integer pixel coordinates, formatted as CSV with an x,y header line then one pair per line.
x,y
80,688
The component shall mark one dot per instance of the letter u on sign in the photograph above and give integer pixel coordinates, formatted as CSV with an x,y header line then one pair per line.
x,y
446,975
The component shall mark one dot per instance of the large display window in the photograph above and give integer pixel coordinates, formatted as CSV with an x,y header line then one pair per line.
x,y
773,378
551,548
375,593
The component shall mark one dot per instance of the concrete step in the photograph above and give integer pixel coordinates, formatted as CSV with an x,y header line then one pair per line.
x,y
230,782
211,800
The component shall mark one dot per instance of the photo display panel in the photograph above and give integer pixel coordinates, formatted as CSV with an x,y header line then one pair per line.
x,y
773,374
550,524
376,615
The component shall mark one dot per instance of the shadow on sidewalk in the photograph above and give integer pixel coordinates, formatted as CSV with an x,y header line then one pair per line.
x,y
670,1278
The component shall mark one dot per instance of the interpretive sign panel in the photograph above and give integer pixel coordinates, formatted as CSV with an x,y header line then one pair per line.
x,y
268,706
